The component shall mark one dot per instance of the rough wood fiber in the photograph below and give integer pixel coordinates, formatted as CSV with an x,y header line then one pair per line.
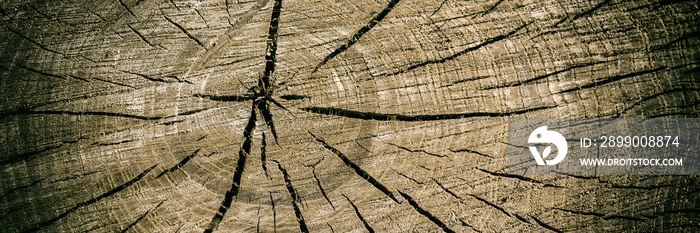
x,y
387,116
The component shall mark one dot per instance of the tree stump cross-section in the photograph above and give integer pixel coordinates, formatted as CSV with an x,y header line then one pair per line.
x,y
342,116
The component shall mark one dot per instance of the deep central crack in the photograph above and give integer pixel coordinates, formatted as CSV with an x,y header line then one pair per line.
x,y
262,96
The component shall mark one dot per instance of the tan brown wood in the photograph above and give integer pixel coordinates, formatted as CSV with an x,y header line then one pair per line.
x,y
167,115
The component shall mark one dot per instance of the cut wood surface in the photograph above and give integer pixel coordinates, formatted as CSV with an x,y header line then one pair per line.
x,y
330,116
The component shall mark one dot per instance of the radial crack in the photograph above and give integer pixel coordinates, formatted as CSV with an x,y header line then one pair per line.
x,y
611,79
127,8
180,164
271,50
417,150
224,98
142,217
425,213
184,31
379,17
92,201
295,198
545,225
544,76
471,195
143,38
263,156
357,169
400,117
237,174
357,212
472,152
463,52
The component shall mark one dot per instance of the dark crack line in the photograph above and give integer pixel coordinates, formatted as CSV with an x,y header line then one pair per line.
x,y
225,98
51,18
127,9
408,177
36,43
666,92
92,201
184,31
461,200
202,17
357,169
612,79
147,77
616,78
318,181
590,11
425,213
295,198
142,217
600,215
294,97
492,8
114,143
180,164
178,8
320,187
40,72
86,113
257,226
359,215
274,213
379,17
263,156
417,150
115,83
271,50
463,52
472,152
464,81
21,187
264,109
519,177
26,156
237,174
438,9
470,226
545,225
400,117
143,38
544,76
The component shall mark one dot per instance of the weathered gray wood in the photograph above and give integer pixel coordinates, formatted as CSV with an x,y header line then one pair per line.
x,y
132,115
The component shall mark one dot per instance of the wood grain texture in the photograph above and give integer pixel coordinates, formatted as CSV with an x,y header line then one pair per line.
x,y
330,116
